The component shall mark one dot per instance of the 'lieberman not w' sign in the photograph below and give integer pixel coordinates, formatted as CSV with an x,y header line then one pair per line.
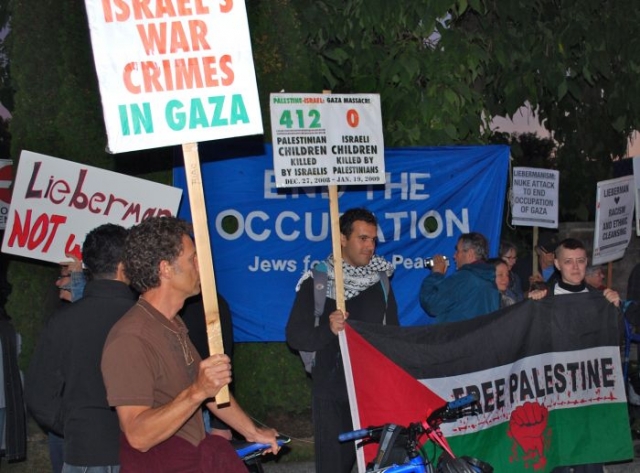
x,y
173,71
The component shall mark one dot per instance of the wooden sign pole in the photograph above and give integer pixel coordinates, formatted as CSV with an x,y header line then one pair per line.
x,y
334,213
336,246
534,252
205,260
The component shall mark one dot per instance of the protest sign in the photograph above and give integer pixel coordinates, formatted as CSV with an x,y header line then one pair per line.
x,y
6,177
636,179
173,72
327,139
614,219
55,203
534,202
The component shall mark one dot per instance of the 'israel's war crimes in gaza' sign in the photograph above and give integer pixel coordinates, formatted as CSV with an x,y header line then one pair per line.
x,y
173,71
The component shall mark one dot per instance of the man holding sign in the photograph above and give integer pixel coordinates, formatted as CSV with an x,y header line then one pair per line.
x,y
368,299
152,372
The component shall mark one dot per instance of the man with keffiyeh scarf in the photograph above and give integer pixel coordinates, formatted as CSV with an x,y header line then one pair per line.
x,y
365,301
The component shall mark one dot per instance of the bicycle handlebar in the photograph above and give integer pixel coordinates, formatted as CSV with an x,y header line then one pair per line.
x,y
244,449
452,410
449,412
463,402
360,434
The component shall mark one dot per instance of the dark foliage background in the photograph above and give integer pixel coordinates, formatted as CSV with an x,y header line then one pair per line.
x,y
443,68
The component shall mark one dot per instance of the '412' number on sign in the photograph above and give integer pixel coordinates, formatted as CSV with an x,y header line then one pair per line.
x,y
313,117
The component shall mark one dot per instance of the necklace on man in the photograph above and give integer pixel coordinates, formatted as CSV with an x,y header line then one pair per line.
x,y
182,338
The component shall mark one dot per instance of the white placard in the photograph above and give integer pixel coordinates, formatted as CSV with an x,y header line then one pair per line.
x,y
636,179
6,178
327,139
55,203
173,72
534,202
614,219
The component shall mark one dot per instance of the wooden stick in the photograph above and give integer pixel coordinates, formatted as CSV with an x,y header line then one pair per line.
x,y
205,260
337,247
334,214
535,254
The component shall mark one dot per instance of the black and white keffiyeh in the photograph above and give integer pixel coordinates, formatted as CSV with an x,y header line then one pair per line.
x,y
356,278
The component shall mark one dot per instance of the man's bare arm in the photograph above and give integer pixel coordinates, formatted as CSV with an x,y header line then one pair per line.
x,y
234,416
146,427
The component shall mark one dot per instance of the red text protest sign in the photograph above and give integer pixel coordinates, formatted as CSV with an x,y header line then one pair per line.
x,y
55,203
173,71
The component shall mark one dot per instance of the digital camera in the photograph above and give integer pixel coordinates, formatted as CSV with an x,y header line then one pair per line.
x,y
428,262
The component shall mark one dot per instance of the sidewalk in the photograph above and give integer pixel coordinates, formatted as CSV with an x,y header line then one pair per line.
x,y
303,467
309,467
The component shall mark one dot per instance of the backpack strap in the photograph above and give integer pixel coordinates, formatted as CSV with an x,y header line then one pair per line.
x,y
384,280
320,279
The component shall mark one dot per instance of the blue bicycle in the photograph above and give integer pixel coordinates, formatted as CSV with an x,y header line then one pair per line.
x,y
399,446
251,452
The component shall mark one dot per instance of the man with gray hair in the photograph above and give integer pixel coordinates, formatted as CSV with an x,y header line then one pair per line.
x,y
594,277
468,293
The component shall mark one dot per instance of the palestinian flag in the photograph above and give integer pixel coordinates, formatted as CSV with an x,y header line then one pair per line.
x,y
548,375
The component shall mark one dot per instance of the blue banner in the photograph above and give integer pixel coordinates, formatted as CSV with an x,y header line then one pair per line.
x,y
263,238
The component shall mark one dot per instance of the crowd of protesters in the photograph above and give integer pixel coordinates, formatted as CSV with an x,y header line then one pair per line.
x,y
151,403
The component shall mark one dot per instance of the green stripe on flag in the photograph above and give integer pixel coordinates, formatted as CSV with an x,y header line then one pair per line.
x,y
560,443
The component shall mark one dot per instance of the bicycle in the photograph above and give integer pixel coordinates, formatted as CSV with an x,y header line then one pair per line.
x,y
398,446
251,452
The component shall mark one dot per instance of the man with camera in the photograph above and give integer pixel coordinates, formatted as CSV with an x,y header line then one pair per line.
x,y
470,292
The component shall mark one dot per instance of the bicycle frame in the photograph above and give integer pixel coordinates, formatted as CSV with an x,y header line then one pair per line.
x,y
415,465
386,436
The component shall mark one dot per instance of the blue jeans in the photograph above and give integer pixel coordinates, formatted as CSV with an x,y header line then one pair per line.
x,y
90,469
56,451
3,411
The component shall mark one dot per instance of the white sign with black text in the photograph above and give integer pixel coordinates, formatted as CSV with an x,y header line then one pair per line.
x,y
534,201
327,139
636,191
614,219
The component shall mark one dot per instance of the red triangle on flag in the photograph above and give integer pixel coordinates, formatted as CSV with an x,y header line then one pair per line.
x,y
381,392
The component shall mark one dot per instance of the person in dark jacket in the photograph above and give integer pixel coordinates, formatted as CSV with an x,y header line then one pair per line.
x,y
468,293
509,253
571,262
546,273
13,422
365,300
12,412
633,294
67,358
